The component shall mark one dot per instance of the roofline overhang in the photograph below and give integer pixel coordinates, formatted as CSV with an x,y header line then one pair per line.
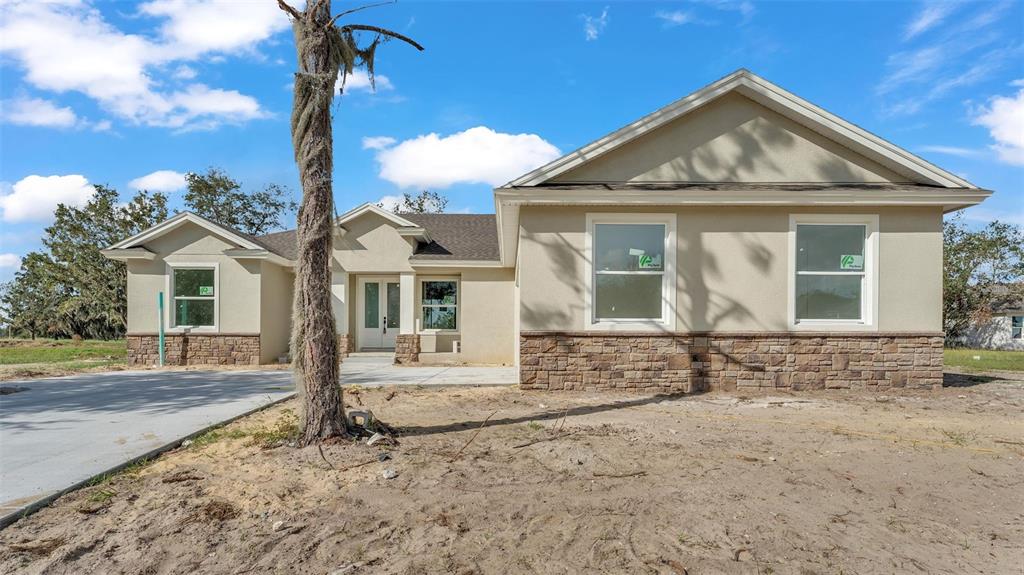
x,y
125,254
508,200
418,233
179,220
267,255
456,263
949,198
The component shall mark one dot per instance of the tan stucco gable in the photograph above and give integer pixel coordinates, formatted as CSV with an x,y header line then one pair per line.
x,y
372,243
732,139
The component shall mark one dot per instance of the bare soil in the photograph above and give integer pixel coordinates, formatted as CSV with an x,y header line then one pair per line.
x,y
929,482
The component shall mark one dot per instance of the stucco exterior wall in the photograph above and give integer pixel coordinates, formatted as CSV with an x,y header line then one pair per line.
x,y
488,314
732,139
732,272
238,288
277,284
372,245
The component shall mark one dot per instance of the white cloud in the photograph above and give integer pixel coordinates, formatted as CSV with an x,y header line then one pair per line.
x,y
962,52
951,151
36,112
675,17
745,8
160,181
593,26
184,72
70,47
390,203
10,261
34,198
476,155
359,80
930,16
1004,118
192,28
377,142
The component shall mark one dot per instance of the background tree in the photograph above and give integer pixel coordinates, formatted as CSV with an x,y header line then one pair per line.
x,y
324,49
979,266
217,196
71,288
425,202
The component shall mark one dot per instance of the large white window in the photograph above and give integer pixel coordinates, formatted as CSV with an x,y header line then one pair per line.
x,y
631,271
833,262
194,296
439,304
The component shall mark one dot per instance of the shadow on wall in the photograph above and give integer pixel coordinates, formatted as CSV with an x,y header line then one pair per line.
x,y
567,261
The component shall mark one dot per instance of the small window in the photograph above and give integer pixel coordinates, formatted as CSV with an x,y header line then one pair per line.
x,y
440,305
195,297
1016,326
831,271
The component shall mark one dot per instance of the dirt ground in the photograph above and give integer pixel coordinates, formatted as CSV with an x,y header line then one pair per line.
x,y
929,482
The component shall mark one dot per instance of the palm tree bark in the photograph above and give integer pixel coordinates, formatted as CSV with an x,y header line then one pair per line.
x,y
314,340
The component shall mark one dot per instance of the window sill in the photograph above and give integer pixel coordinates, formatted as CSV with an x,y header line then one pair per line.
x,y
182,330
832,325
654,325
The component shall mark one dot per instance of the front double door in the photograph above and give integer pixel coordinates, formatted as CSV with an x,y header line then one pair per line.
x,y
380,311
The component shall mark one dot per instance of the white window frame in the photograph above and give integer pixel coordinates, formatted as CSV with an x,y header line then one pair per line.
x,y
1019,334
667,321
169,315
457,306
869,287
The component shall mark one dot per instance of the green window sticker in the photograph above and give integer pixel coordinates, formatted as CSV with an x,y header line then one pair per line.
x,y
851,262
206,290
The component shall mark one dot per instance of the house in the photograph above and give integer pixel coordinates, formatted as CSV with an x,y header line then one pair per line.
x,y
740,236
1003,328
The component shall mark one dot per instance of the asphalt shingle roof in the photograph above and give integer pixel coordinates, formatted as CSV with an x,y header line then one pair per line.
x,y
454,237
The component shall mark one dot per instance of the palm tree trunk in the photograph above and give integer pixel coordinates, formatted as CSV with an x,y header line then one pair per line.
x,y
314,340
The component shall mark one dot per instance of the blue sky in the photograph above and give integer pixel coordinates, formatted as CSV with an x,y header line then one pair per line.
x,y
135,94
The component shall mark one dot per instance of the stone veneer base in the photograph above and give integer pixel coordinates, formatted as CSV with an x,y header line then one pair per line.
x,y
345,346
407,348
195,349
678,362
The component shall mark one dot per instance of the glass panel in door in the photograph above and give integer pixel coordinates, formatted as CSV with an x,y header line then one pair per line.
x,y
371,303
394,306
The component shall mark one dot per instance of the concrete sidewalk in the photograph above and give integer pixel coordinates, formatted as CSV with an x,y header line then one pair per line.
x,y
374,369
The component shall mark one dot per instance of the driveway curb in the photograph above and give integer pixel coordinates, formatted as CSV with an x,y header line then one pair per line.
x,y
13,517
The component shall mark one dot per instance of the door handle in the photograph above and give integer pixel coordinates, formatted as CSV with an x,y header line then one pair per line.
x,y
385,324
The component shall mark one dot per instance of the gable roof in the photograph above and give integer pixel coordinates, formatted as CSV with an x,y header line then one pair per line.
x,y
234,236
773,97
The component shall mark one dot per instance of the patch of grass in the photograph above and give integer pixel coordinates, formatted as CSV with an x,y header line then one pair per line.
x,y
957,437
215,435
534,426
988,359
23,351
284,429
102,495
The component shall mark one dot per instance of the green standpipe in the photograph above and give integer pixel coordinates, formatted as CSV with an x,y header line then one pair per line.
x,y
160,311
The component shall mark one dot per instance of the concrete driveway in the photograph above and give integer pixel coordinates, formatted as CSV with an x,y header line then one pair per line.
x,y
61,431
67,429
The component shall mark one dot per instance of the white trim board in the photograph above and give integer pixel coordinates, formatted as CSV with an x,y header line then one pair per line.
x,y
773,97
179,220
